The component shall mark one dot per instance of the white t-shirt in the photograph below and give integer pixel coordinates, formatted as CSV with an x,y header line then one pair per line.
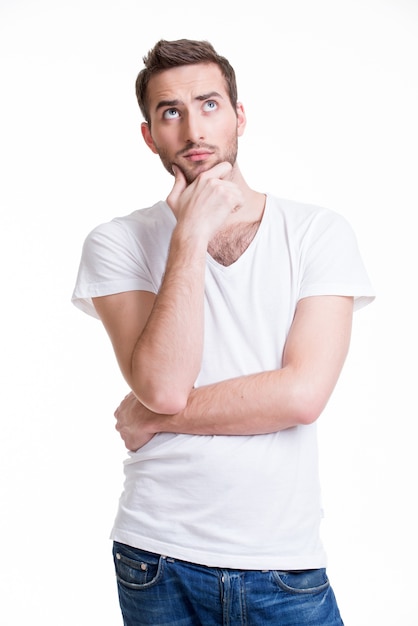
x,y
248,502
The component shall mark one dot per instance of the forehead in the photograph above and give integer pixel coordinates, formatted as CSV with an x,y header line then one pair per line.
x,y
186,83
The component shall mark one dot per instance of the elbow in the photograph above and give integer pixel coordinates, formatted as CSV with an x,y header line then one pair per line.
x,y
307,406
307,415
168,405
158,393
160,402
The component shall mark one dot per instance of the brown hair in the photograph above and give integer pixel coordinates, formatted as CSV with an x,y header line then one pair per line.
x,y
168,54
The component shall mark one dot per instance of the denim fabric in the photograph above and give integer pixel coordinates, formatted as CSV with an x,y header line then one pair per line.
x,y
156,590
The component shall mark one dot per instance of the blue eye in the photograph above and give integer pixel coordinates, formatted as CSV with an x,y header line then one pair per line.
x,y
210,105
170,114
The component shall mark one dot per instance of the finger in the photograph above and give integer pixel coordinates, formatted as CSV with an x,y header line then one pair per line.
x,y
179,186
221,170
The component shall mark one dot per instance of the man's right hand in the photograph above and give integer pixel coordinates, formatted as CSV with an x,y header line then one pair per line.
x,y
207,202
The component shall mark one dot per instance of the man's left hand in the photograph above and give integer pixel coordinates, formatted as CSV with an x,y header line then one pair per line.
x,y
132,423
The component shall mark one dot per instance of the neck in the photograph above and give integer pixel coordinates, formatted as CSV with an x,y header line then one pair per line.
x,y
237,233
254,201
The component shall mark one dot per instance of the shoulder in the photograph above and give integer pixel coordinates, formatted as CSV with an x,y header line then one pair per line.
x,y
292,211
125,254
140,223
302,221
139,228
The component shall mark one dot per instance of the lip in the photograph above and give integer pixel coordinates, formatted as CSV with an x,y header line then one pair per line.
x,y
197,155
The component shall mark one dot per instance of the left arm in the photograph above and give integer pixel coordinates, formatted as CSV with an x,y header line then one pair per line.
x,y
265,402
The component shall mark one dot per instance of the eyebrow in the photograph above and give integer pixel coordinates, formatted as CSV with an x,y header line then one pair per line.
x,y
175,103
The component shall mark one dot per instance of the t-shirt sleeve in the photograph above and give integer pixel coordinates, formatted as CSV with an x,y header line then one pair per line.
x,y
331,261
111,262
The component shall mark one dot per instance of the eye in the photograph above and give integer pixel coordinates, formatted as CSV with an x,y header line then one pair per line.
x,y
210,105
170,114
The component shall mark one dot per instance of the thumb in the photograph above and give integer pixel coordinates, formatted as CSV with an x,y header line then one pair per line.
x,y
179,186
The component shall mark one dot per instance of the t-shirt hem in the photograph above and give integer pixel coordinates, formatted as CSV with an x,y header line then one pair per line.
x,y
361,293
231,561
82,297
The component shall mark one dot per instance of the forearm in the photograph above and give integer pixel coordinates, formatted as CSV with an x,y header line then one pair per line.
x,y
255,404
167,356
251,405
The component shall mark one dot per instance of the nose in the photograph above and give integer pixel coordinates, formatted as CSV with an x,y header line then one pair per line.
x,y
193,128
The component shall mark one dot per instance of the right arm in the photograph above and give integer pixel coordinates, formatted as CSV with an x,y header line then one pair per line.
x,y
158,339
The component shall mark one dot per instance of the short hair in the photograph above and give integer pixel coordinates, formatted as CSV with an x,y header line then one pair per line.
x,y
168,54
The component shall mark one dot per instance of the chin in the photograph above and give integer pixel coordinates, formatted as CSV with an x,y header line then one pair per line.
x,y
200,167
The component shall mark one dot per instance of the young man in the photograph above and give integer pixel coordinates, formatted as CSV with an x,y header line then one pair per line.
x,y
230,314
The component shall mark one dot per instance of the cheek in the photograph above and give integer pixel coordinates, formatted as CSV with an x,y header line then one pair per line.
x,y
231,128
164,143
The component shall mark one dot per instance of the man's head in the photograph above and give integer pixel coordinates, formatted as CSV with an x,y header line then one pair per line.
x,y
188,96
168,54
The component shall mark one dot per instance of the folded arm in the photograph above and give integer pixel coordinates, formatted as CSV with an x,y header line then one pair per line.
x,y
266,402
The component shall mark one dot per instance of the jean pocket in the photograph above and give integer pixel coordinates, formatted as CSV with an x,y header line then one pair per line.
x,y
302,581
136,569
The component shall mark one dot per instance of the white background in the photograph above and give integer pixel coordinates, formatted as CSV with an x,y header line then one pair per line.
x,y
330,90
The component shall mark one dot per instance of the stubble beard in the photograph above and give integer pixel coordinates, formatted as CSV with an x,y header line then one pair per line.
x,y
229,155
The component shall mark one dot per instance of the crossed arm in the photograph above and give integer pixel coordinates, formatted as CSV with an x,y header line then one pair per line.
x,y
158,341
255,404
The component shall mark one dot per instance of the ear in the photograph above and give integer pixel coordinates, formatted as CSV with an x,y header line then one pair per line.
x,y
146,133
241,119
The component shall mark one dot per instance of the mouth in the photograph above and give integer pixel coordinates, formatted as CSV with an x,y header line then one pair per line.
x,y
197,155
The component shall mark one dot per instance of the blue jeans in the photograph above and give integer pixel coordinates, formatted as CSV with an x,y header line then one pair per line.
x,y
156,590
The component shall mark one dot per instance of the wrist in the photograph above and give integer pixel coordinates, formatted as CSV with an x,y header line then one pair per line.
x,y
190,236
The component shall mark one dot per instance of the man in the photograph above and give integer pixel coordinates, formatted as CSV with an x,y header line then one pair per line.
x,y
230,314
